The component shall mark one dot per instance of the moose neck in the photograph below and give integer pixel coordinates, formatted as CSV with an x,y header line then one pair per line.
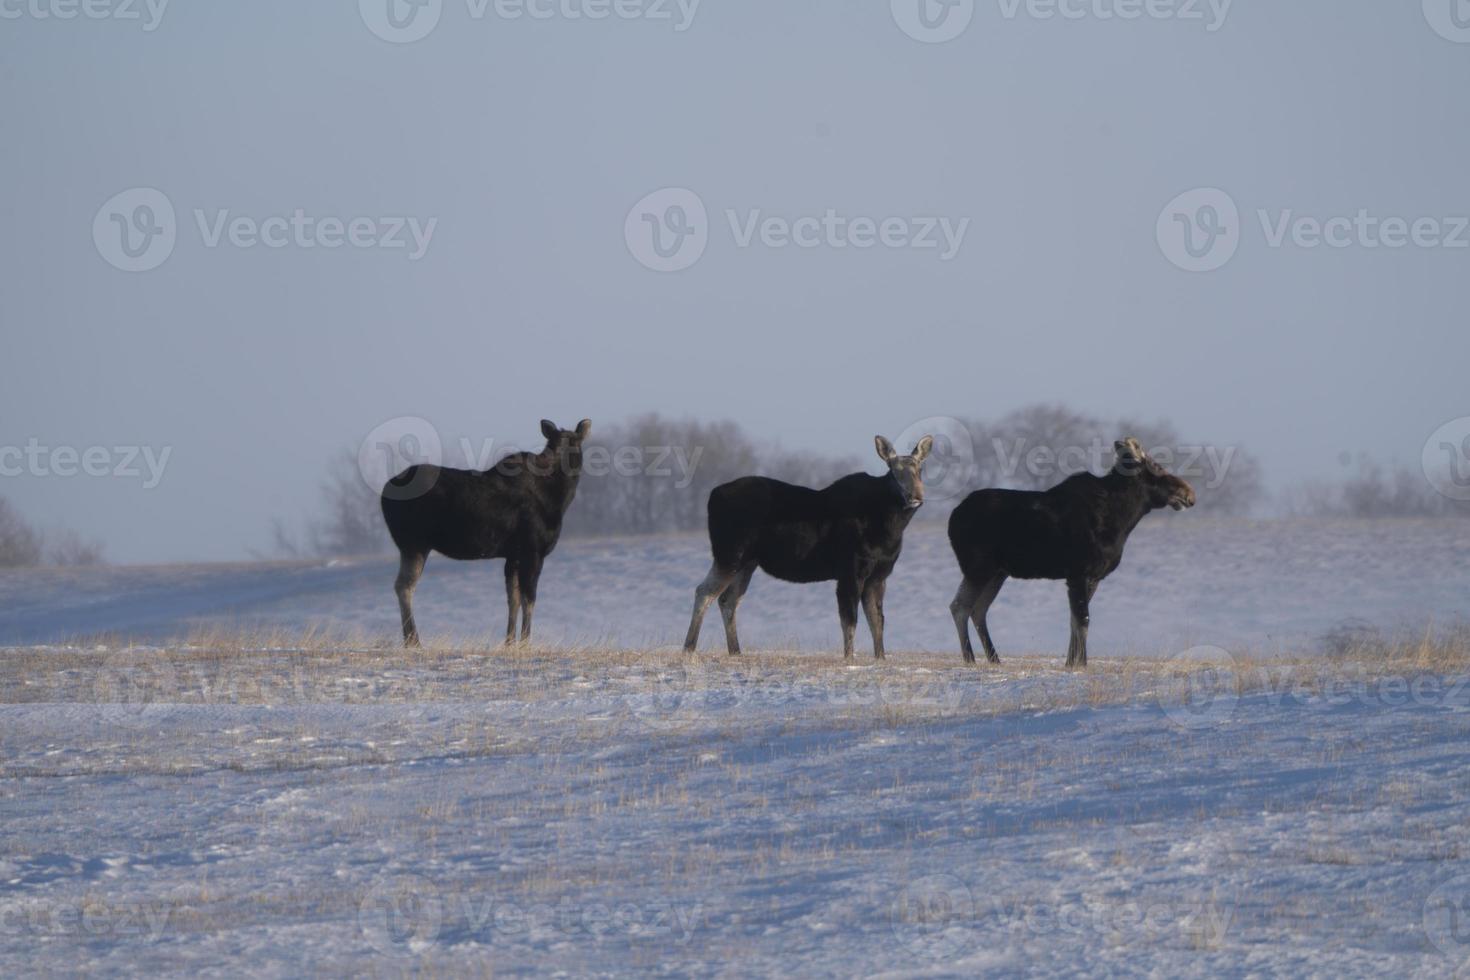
x,y
888,504
560,474
1128,503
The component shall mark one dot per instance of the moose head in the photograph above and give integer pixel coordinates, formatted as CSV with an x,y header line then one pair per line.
x,y
1163,488
906,471
566,444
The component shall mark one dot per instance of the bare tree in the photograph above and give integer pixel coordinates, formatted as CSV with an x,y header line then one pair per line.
x,y
1373,490
349,521
1038,446
70,548
1027,449
651,474
285,542
352,520
807,469
1227,479
20,544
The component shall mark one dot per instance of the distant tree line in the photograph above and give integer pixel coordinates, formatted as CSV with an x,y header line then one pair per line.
x,y
1038,446
652,474
350,521
22,545
1372,489
646,475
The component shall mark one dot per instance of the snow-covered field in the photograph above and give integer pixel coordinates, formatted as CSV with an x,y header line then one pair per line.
x,y
285,802
1269,586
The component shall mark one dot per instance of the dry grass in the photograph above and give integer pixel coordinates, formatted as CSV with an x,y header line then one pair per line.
x,y
324,667
537,701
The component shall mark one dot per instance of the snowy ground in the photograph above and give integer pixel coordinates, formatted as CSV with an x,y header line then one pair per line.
x,y
199,812
1259,585
284,807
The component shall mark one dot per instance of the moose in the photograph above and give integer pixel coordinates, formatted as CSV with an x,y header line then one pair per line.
x,y
1074,531
851,531
513,510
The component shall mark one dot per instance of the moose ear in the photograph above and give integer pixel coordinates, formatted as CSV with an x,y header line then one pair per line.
x,y
549,429
924,448
583,428
886,452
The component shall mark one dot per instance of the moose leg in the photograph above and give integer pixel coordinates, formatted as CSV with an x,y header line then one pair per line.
x,y
712,587
964,601
873,609
981,610
1079,595
528,573
729,602
847,607
512,599
410,567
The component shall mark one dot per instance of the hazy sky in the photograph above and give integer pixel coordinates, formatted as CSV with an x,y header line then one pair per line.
x,y
529,140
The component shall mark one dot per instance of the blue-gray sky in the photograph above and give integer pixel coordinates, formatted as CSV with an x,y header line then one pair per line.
x,y
529,140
